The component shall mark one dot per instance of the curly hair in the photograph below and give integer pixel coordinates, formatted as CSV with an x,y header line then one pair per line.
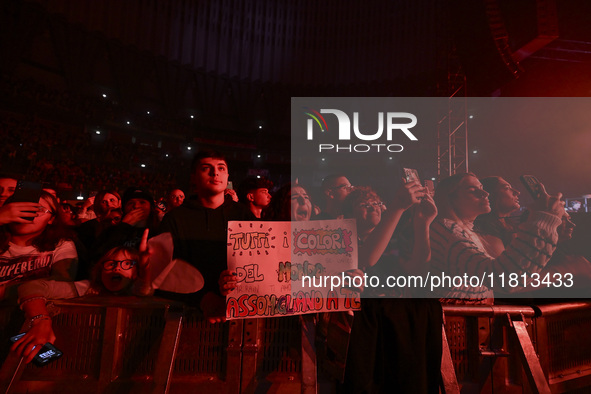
x,y
358,195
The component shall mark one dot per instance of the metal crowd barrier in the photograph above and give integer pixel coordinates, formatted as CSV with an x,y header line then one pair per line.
x,y
122,345
152,345
518,349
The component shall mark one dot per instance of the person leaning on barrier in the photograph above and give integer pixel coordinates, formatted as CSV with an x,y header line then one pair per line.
x,y
198,228
293,203
498,228
121,271
458,251
395,342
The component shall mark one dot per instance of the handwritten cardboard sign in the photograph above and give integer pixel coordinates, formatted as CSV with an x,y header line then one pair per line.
x,y
271,260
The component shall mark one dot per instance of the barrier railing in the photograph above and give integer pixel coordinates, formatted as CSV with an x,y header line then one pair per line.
x,y
152,345
506,348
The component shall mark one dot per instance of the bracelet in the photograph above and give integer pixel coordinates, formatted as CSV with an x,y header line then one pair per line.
x,y
38,317
22,302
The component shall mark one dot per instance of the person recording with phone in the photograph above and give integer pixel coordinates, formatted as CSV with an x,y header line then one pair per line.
x,y
458,250
17,212
394,340
36,246
498,228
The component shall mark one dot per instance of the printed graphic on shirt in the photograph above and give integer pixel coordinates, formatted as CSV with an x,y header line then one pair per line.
x,y
25,267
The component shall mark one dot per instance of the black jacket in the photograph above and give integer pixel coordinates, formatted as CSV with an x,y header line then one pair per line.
x,y
200,236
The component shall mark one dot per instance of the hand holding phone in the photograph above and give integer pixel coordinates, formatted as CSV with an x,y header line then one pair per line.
x,y
532,185
27,192
47,354
543,201
410,175
430,187
19,212
408,194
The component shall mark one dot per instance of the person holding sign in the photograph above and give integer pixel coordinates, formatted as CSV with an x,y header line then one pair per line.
x,y
199,226
290,202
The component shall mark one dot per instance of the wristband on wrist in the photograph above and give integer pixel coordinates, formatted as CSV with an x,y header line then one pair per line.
x,y
38,317
24,301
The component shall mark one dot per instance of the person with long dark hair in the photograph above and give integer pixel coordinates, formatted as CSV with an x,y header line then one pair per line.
x,y
498,227
457,250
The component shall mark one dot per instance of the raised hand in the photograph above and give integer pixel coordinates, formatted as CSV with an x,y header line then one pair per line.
x,y
409,194
426,210
144,250
231,193
19,212
547,203
135,217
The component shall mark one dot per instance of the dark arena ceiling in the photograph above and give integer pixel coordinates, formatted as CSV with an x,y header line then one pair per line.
x,y
224,71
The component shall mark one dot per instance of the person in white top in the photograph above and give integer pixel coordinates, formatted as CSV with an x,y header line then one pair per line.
x,y
36,247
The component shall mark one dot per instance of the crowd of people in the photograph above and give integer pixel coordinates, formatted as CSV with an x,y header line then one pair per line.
x,y
37,149
468,225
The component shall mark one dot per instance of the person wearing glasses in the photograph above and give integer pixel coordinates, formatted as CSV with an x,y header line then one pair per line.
x,y
366,207
175,199
335,188
395,341
35,247
102,204
121,271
